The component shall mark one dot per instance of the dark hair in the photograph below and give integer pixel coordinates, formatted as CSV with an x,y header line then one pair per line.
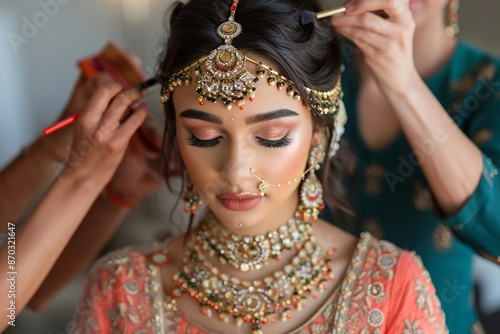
x,y
309,55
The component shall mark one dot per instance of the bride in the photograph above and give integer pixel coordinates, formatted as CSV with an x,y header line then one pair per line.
x,y
254,116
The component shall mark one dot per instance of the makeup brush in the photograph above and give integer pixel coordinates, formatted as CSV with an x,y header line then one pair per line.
x,y
67,121
308,17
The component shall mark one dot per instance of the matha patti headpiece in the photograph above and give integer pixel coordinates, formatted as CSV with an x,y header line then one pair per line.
x,y
227,79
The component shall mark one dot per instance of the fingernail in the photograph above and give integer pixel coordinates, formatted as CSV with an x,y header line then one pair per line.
x,y
143,105
350,7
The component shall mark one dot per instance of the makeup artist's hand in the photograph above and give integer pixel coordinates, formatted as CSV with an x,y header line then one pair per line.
x,y
139,172
58,144
386,44
100,138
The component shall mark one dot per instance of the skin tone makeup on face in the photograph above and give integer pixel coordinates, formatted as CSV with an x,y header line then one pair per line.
x,y
272,135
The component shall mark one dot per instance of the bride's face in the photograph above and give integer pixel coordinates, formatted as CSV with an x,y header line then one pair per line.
x,y
272,136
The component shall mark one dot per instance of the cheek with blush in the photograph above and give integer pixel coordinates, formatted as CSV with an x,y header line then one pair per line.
x,y
280,165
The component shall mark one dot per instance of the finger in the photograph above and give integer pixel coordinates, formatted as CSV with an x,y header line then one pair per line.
x,y
135,59
367,41
98,103
118,108
129,127
368,21
398,10
101,79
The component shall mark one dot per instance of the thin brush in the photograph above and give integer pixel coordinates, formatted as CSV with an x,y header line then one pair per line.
x,y
308,17
71,119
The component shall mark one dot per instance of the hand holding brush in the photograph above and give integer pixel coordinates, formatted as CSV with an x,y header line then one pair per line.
x,y
309,17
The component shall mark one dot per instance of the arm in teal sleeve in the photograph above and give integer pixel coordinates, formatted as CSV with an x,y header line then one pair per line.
x,y
478,222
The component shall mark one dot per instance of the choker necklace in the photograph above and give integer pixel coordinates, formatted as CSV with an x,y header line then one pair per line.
x,y
248,253
256,302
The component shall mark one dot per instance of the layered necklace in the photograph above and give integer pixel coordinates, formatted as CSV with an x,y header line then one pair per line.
x,y
256,302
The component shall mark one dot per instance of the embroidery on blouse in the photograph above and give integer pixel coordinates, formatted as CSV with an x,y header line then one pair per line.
x,y
122,270
412,328
376,290
165,308
140,305
352,274
375,317
425,299
156,298
364,315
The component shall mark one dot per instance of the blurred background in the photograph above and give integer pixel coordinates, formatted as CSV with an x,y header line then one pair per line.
x,y
37,73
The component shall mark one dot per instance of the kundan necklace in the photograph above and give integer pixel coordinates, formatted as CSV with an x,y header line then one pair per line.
x,y
260,301
248,253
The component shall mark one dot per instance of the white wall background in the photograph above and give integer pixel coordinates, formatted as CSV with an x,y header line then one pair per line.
x,y
37,74
36,77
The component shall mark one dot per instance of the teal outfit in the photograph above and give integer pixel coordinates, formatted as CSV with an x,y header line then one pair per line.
x,y
392,197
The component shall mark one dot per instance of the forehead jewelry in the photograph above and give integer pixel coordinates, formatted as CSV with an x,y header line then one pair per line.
x,y
227,79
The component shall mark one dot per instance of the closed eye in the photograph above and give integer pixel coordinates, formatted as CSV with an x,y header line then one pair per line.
x,y
285,141
202,143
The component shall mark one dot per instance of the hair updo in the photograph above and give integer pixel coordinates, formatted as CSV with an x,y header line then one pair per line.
x,y
309,55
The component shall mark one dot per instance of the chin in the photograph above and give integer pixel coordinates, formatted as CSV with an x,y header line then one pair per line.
x,y
238,218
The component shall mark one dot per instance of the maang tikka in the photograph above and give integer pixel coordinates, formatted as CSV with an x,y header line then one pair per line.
x,y
227,79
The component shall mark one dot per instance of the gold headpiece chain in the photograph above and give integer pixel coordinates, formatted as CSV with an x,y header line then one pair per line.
x,y
227,79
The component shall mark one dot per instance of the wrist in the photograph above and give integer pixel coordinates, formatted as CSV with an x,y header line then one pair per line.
x,y
116,199
404,92
412,83
49,149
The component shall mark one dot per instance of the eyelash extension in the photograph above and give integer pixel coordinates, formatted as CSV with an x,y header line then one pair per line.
x,y
285,141
193,141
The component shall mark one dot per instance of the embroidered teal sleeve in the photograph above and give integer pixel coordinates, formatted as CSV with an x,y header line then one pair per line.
x,y
478,222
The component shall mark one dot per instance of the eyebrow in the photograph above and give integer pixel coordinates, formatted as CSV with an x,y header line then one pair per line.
x,y
280,113
201,115
207,117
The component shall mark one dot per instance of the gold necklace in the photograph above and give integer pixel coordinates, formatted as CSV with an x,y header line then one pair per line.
x,y
248,253
255,302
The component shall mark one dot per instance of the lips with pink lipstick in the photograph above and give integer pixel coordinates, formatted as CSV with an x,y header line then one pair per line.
x,y
414,4
239,201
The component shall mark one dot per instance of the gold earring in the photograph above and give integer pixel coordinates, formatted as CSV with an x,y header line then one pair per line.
x,y
311,191
191,197
452,18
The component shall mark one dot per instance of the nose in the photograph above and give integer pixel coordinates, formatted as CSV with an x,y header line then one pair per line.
x,y
240,158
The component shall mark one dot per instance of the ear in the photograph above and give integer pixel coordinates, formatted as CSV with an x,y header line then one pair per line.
x,y
319,136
